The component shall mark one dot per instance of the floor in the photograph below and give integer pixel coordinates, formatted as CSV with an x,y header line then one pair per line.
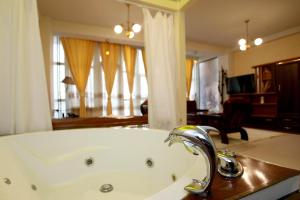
x,y
275,147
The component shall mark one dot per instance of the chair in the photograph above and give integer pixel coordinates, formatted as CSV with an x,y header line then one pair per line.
x,y
191,107
236,111
144,107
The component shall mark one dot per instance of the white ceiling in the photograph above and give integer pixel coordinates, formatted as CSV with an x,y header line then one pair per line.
x,y
219,22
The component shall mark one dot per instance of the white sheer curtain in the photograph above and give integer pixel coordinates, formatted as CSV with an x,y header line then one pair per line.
x,y
210,98
161,65
194,83
24,101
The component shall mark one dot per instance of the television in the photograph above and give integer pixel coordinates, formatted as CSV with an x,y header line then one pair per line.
x,y
241,84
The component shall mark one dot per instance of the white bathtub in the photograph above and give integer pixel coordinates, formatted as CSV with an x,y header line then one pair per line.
x,y
52,165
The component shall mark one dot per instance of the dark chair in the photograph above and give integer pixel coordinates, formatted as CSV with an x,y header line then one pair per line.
x,y
191,107
144,107
236,111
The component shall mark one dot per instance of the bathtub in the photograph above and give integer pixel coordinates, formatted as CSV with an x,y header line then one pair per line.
x,y
107,164
74,164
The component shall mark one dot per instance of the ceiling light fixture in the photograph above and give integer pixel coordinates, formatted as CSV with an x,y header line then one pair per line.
x,y
130,29
245,43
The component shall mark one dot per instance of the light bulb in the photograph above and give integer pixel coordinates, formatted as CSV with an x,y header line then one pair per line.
x,y
118,29
136,28
243,47
130,34
107,52
258,41
242,42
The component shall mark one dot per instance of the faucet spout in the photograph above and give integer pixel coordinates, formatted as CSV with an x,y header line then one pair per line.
x,y
197,141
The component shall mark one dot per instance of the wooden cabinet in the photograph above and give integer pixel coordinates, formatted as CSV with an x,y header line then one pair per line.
x,y
288,90
288,87
276,104
262,104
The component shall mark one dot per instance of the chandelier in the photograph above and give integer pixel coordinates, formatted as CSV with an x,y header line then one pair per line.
x,y
130,28
246,43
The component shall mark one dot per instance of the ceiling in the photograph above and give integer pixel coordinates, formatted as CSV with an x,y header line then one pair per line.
x,y
222,21
219,22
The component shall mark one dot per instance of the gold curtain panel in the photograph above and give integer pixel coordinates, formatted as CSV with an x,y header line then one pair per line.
x,y
130,59
110,54
189,64
79,55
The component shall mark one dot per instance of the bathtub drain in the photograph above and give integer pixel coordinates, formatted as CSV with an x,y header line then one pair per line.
x,y
106,188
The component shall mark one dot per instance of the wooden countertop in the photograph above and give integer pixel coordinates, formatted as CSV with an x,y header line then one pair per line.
x,y
257,176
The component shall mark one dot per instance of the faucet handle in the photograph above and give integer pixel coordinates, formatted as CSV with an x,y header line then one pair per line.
x,y
228,166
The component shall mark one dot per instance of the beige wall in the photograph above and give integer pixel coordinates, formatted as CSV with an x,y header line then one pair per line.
x,y
280,49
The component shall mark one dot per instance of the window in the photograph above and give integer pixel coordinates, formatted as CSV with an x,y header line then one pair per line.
x,y
65,97
59,73
209,95
205,85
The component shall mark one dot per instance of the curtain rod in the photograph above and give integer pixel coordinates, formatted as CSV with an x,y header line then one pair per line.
x,y
209,59
146,6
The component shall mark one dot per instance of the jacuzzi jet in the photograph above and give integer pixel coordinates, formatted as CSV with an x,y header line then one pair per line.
x,y
149,162
33,187
106,188
7,181
89,161
174,178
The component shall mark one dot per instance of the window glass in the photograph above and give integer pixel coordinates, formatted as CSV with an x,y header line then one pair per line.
x,y
209,86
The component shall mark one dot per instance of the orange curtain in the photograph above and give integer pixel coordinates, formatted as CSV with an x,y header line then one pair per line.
x,y
79,54
189,64
144,60
110,54
130,58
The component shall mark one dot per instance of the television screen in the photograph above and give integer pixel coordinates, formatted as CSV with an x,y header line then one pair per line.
x,y
241,84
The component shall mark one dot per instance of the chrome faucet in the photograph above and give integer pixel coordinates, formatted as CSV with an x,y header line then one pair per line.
x,y
196,140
